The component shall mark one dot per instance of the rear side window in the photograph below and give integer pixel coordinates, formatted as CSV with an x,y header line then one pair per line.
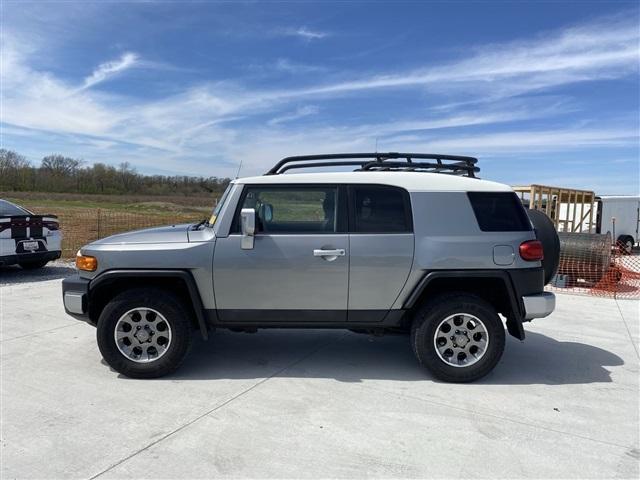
x,y
9,209
499,212
378,209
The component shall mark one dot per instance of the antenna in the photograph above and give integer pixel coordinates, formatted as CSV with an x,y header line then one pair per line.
x,y
239,168
376,145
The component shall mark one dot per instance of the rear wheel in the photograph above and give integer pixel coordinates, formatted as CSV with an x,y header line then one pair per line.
x,y
144,333
625,243
458,337
33,264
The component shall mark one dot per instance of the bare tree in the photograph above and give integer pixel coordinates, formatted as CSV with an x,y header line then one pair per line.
x,y
60,165
128,176
14,169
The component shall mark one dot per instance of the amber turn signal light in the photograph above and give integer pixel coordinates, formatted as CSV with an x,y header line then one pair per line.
x,y
86,263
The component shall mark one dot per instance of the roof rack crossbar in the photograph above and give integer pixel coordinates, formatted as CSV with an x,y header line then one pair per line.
x,y
320,164
380,161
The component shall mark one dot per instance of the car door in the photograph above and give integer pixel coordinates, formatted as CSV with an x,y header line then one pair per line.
x,y
298,268
381,248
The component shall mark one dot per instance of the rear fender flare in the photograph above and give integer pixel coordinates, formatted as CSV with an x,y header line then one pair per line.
x,y
514,321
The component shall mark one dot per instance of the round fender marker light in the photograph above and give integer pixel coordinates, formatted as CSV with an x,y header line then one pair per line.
x,y
86,263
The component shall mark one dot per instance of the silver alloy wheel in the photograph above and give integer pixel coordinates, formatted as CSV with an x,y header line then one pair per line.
x,y
461,340
142,335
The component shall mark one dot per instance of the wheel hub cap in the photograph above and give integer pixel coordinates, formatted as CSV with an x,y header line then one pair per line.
x,y
142,335
461,340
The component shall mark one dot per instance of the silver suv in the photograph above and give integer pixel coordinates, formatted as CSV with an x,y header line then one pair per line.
x,y
405,243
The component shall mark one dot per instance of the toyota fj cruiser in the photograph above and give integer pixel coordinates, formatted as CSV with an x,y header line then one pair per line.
x,y
406,242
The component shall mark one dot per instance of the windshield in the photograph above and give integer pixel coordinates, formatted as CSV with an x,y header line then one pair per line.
x,y
218,207
8,209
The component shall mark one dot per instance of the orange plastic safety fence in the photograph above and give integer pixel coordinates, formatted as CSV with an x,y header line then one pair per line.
x,y
613,271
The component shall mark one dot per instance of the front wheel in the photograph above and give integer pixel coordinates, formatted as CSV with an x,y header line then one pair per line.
x,y
458,337
144,333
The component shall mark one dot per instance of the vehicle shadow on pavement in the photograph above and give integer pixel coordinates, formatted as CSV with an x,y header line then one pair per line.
x,y
350,357
14,275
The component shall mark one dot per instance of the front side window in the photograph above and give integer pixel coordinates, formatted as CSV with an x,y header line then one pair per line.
x,y
380,209
293,209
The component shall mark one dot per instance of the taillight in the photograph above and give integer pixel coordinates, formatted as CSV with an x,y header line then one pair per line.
x,y
51,225
532,250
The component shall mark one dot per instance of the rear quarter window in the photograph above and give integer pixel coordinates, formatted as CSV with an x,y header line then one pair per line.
x,y
499,212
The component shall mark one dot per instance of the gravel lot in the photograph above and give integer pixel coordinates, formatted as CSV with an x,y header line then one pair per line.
x,y
300,404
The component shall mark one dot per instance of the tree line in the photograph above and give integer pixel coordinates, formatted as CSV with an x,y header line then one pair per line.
x,y
57,173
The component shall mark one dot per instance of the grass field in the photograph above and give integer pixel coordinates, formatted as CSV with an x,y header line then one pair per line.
x,y
142,203
84,218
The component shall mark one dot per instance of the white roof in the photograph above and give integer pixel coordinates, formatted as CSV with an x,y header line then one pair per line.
x,y
619,197
411,181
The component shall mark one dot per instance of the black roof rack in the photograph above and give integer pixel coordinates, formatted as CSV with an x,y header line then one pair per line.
x,y
451,164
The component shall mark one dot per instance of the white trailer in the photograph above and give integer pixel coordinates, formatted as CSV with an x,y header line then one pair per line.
x,y
619,215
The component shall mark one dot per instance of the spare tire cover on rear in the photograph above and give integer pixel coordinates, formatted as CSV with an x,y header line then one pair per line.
x,y
546,233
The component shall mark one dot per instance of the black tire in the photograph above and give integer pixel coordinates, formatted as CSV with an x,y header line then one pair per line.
x,y
547,234
175,314
33,264
423,334
625,243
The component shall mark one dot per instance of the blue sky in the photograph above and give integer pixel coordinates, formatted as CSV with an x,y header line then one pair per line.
x,y
542,92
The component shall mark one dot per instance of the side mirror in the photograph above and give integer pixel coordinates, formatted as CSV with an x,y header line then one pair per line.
x,y
247,227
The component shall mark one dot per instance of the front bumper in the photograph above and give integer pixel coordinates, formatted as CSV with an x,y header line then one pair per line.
x,y
6,260
75,296
538,305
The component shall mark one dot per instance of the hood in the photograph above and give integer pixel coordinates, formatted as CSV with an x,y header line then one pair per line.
x,y
168,234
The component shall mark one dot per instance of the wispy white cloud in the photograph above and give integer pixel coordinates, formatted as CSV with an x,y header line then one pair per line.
x,y
527,141
300,112
110,69
288,66
305,33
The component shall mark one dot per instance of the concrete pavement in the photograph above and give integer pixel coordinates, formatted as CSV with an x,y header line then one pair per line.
x,y
302,404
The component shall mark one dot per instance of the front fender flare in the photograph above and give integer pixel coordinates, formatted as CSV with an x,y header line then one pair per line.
x,y
110,276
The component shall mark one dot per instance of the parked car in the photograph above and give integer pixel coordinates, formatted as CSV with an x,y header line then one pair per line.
x,y
27,239
410,243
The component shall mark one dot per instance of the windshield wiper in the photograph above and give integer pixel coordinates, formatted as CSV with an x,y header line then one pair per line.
x,y
200,223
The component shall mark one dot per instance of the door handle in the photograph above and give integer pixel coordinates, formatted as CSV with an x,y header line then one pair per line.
x,y
338,252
